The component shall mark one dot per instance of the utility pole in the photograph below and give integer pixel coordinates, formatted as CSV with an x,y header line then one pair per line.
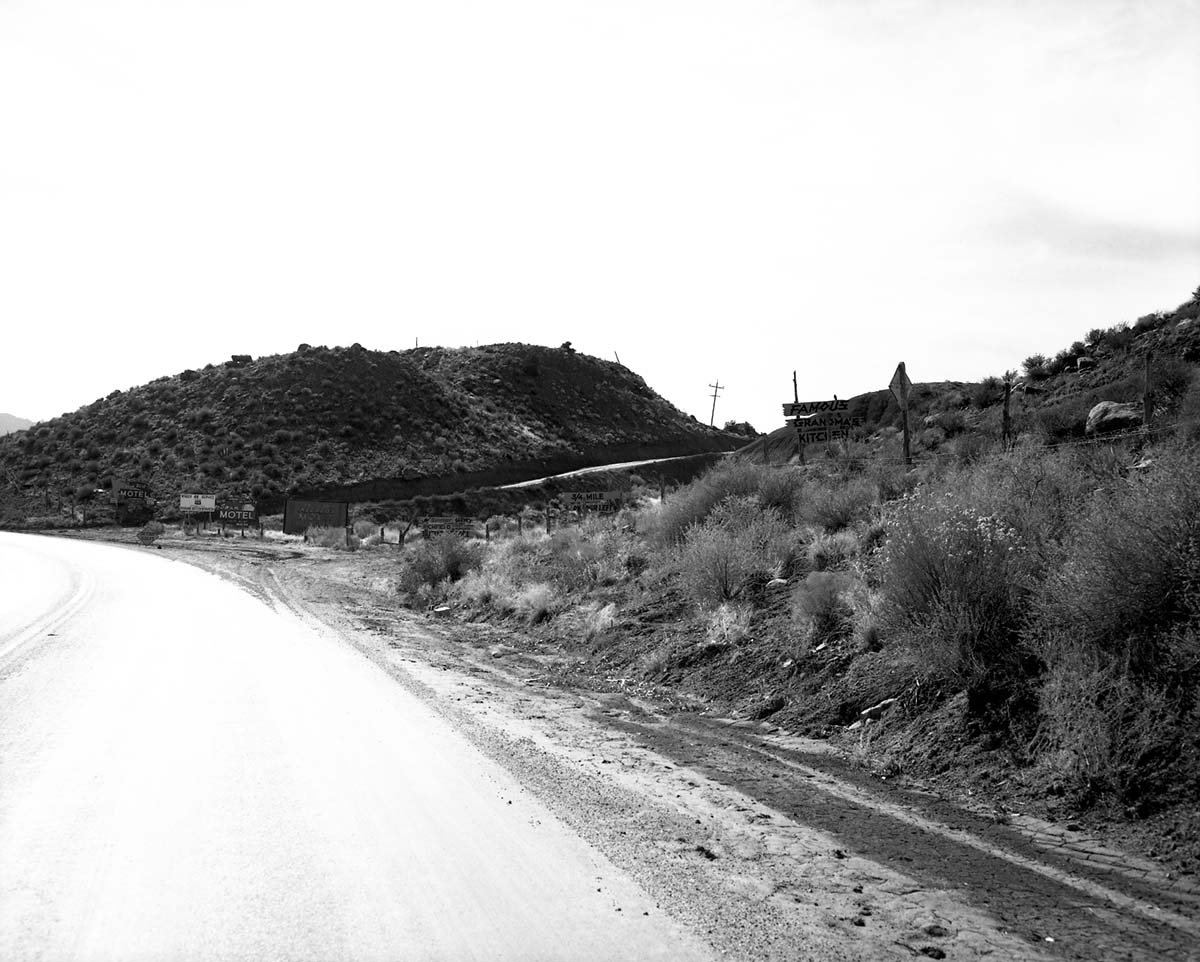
x,y
717,388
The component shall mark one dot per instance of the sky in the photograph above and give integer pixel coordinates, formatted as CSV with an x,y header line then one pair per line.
x,y
712,192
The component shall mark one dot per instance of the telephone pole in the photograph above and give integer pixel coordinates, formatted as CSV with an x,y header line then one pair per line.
x,y
717,388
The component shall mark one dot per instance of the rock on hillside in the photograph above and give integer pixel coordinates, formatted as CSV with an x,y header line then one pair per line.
x,y
322,419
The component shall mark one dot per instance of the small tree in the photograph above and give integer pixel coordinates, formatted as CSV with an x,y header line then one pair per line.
x,y
1035,367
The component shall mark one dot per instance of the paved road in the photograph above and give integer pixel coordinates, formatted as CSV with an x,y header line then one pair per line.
x,y
187,773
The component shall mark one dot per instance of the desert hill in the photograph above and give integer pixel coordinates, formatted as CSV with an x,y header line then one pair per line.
x,y
356,422
1051,400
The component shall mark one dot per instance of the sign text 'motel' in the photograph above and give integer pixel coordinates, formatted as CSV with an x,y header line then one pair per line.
x,y
793,409
125,494
237,515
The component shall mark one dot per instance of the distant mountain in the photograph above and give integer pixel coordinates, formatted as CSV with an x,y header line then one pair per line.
x,y
10,423
356,423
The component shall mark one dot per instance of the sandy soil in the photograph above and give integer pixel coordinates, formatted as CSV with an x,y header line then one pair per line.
x,y
768,846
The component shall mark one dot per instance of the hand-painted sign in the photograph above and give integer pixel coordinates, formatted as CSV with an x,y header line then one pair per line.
x,y
830,421
821,434
299,516
197,503
606,502
805,408
467,527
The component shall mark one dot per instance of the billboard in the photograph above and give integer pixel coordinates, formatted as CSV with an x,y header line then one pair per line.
x,y
237,515
197,503
299,516
126,493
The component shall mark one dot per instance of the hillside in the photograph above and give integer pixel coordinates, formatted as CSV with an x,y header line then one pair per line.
x,y
10,423
355,422
1050,401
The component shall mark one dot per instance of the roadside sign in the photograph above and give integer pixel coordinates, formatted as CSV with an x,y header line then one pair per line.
x,y
467,527
605,502
197,503
830,421
237,515
125,493
820,434
299,516
900,385
792,409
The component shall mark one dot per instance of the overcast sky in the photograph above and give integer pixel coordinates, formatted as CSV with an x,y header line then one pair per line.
x,y
711,190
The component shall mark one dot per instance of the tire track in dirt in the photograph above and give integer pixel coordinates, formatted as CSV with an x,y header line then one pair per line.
x,y
1090,910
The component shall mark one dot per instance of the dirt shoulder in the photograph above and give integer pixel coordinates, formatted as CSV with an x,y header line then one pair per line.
x,y
771,845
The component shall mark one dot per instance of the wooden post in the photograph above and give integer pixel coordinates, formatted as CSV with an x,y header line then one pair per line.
x,y
796,398
1006,419
1147,397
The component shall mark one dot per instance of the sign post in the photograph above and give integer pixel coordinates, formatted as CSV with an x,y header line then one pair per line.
x,y
901,387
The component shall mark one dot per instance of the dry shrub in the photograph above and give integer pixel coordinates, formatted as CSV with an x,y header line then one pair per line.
x,y
692,505
1131,571
954,583
1105,731
736,546
1117,624
444,559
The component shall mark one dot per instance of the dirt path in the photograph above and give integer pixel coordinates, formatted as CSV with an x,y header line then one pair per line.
x,y
771,846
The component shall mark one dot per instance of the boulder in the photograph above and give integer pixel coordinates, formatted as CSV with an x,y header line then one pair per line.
x,y
1109,416
1084,363
1185,324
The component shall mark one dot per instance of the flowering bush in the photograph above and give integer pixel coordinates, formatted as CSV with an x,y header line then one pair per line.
x,y
954,583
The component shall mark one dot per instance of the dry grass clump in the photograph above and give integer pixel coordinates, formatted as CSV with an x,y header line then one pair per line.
x,y
824,603
535,602
832,506
728,624
833,551
598,619
331,537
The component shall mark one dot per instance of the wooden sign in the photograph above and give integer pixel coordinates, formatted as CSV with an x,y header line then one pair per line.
x,y
467,527
299,516
793,409
606,502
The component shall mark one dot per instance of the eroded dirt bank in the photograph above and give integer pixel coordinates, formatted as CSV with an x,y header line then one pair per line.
x,y
768,845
